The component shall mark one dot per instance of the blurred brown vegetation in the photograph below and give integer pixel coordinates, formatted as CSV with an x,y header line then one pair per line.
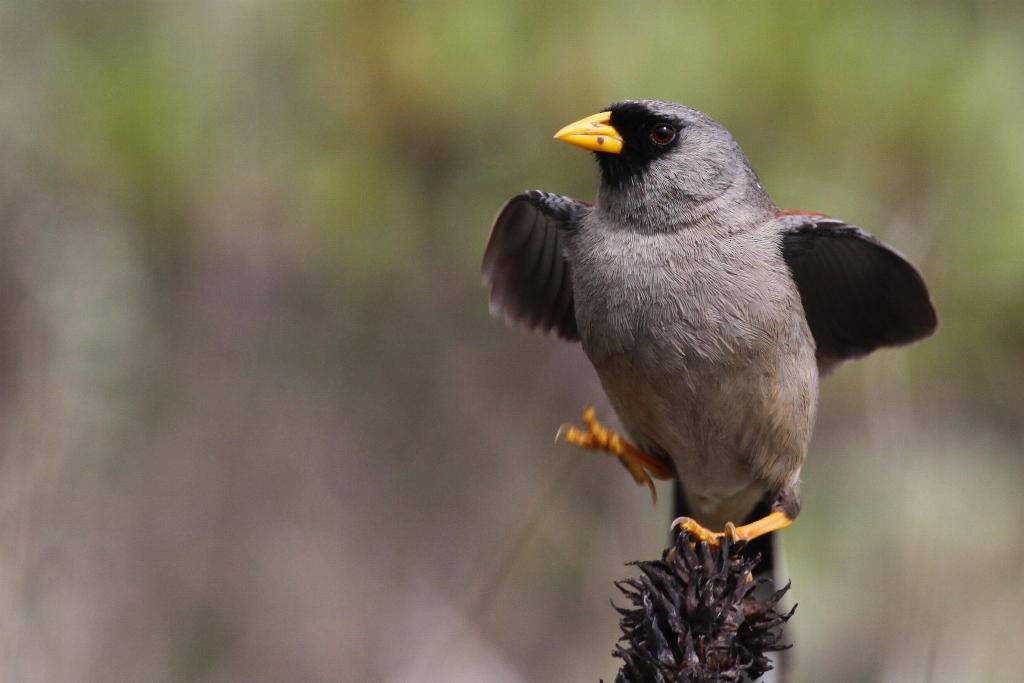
x,y
258,426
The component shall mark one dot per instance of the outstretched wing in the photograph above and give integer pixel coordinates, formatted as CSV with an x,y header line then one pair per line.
x,y
858,293
525,266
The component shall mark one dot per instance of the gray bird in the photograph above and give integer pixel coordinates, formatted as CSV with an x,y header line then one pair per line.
x,y
708,313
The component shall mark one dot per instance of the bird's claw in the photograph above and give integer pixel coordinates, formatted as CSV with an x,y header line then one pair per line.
x,y
640,465
697,532
736,534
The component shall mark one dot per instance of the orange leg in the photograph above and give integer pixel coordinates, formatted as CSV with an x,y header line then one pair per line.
x,y
773,521
642,466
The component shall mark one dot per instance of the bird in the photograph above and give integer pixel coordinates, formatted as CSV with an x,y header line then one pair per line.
x,y
708,313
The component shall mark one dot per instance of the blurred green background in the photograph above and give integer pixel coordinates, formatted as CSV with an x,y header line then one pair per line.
x,y
257,424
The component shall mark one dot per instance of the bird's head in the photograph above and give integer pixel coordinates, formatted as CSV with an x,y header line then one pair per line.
x,y
661,156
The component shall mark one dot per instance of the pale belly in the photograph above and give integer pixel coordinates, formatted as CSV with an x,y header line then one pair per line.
x,y
735,431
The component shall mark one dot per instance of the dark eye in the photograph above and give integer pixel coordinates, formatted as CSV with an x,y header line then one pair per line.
x,y
662,134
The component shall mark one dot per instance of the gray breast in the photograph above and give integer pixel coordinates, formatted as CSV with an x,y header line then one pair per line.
x,y
701,346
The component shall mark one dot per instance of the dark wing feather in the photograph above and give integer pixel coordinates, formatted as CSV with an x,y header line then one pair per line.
x,y
858,293
524,264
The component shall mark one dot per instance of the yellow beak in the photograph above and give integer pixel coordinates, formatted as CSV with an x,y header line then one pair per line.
x,y
594,133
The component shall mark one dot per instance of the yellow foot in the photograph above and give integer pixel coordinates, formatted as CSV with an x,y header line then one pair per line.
x,y
693,529
748,532
642,466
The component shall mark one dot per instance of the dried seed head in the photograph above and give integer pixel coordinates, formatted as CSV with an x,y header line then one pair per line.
x,y
697,616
